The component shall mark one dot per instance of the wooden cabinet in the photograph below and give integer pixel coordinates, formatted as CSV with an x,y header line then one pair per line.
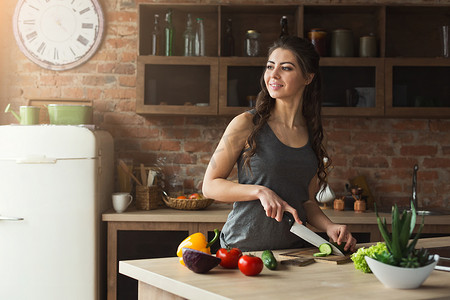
x,y
408,49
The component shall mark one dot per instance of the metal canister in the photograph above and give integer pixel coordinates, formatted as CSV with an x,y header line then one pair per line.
x,y
252,46
342,43
367,46
317,37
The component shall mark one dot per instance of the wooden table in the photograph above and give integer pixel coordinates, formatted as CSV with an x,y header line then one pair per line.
x,y
167,219
165,278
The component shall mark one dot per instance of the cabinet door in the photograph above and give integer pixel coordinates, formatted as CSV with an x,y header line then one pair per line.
x,y
418,87
414,31
239,82
174,85
352,86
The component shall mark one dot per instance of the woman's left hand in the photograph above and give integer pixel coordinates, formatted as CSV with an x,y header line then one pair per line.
x,y
339,234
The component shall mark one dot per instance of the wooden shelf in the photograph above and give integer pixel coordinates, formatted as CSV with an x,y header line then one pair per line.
x,y
407,35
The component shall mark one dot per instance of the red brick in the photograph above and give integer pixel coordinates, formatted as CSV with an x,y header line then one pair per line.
x,y
410,125
421,150
370,137
151,145
127,81
402,162
196,147
440,125
339,136
369,162
436,163
128,69
180,133
122,118
170,145
446,150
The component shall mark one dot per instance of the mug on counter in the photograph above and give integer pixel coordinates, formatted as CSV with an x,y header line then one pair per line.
x,y
121,201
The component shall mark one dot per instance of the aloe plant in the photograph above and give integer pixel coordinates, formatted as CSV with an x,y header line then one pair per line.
x,y
399,244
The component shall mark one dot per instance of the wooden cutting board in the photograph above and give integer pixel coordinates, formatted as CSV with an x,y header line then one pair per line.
x,y
307,253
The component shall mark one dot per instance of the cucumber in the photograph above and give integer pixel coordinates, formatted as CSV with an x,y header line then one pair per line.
x,y
320,254
325,248
269,260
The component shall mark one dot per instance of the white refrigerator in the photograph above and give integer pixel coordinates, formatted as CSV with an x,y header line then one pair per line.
x,y
55,181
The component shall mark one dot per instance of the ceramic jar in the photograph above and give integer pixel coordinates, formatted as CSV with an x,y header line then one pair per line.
x,y
342,43
368,46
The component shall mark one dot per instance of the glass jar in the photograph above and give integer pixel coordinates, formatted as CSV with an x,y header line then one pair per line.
x,y
317,37
252,45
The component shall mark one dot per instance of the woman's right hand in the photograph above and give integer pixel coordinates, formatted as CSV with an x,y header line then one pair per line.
x,y
275,206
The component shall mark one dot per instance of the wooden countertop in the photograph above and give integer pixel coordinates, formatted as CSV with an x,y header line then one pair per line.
x,y
217,213
318,280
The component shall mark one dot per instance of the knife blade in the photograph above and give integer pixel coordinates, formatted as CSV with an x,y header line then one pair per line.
x,y
311,237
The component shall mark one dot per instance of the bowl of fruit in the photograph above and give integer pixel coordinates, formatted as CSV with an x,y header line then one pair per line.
x,y
194,201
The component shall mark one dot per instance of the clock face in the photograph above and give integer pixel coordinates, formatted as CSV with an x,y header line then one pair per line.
x,y
58,34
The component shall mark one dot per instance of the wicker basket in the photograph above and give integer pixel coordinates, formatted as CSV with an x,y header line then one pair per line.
x,y
187,204
148,198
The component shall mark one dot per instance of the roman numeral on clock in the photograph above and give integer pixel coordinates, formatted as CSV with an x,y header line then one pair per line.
x,y
83,40
41,48
84,10
31,36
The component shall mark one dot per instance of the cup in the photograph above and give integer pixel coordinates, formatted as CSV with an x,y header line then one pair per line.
x,y
29,115
121,201
444,41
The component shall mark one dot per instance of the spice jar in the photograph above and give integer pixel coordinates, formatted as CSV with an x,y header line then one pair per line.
x,y
252,45
338,204
359,206
317,37
342,43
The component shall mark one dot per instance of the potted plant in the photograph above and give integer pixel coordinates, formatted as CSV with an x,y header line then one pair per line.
x,y
401,265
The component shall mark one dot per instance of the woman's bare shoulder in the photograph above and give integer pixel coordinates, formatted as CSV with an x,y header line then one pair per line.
x,y
243,121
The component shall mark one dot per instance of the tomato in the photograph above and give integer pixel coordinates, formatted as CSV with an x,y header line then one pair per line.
x,y
230,257
250,265
194,196
181,197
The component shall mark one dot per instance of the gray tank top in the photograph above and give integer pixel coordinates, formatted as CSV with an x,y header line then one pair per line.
x,y
288,172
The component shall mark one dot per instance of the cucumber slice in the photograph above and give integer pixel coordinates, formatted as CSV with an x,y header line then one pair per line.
x,y
325,248
320,254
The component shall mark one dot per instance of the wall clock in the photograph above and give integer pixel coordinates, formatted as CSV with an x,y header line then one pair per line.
x,y
58,34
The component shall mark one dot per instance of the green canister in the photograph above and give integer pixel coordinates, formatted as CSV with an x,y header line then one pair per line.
x,y
367,46
342,43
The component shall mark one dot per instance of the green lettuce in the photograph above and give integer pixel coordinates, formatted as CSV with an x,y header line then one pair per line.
x,y
358,257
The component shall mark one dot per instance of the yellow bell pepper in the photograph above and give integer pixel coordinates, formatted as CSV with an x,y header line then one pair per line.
x,y
196,241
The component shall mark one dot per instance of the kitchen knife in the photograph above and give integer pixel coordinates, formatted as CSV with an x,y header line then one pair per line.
x,y
311,237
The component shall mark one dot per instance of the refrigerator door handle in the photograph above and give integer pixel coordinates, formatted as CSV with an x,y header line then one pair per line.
x,y
3,218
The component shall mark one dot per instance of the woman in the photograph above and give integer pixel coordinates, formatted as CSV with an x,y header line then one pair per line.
x,y
279,152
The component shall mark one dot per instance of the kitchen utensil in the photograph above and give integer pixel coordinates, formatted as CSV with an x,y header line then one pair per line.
x,y
125,168
29,115
151,177
143,174
62,114
311,237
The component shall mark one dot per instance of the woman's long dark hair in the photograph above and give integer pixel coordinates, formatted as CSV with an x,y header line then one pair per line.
x,y
308,60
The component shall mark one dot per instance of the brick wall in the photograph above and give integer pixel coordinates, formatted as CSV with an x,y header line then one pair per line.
x,y
383,150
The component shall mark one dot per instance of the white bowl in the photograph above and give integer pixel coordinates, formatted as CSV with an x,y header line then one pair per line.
x,y
400,278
